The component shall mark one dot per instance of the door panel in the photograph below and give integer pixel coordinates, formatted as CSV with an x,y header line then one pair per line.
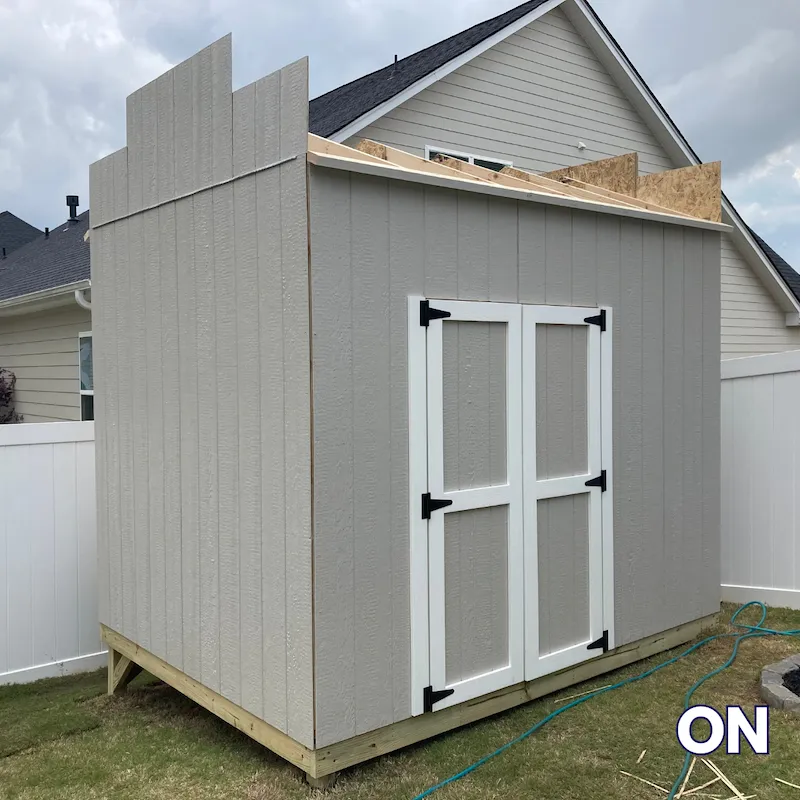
x,y
562,425
563,515
563,553
474,399
475,581
476,592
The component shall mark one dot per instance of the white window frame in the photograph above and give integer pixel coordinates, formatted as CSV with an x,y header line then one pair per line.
x,y
90,392
447,151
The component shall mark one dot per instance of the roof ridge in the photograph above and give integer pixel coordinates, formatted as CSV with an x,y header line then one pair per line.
x,y
424,49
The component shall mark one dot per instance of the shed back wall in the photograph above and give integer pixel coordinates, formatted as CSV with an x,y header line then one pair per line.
x,y
374,242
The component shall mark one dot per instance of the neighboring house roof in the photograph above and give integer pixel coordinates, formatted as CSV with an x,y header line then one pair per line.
x,y
15,232
335,110
342,112
60,259
783,267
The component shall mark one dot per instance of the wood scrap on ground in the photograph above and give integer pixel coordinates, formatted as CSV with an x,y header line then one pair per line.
x,y
699,791
786,783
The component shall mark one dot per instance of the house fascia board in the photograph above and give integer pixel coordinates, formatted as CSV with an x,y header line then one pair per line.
x,y
43,300
613,58
393,102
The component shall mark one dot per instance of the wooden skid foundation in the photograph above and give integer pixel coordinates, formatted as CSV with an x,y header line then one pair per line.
x,y
322,764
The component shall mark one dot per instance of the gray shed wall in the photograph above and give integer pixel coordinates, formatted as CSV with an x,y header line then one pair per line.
x,y
201,347
374,242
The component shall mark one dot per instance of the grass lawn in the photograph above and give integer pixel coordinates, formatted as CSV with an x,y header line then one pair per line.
x,y
64,738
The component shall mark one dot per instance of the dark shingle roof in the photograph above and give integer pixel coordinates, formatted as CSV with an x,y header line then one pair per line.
x,y
790,277
333,111
15,232
44,263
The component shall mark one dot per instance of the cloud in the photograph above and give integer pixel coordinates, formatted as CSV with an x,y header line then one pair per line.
x,y
726,73
66,69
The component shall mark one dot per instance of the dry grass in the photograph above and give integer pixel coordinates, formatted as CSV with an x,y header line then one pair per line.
x,y
65,739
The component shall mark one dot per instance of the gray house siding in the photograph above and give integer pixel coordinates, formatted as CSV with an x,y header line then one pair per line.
x,y
373,243
41,349
203,384
531,99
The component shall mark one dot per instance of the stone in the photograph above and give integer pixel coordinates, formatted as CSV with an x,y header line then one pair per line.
x,y
792,703
775,695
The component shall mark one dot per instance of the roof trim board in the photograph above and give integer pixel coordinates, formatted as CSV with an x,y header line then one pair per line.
x,y
387,170
608,50
432,77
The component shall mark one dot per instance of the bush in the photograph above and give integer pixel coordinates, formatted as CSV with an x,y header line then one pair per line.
x,y
7,382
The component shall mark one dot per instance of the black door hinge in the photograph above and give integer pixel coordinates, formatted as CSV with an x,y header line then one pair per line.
x,y
431,697
430,505
600,644
426,313
600,319
600,481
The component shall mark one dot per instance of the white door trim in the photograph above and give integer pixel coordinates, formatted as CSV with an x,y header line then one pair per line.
x,y
599,450
418,485
507,494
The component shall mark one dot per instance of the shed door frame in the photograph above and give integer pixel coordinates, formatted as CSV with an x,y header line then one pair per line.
x,y
599,450
426,466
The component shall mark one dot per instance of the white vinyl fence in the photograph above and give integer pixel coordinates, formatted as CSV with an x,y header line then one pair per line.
x,y
48,593
761,479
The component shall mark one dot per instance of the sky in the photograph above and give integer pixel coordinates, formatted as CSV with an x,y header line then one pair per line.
x,y
726,72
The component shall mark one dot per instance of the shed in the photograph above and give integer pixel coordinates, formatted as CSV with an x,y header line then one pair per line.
x,y
385,445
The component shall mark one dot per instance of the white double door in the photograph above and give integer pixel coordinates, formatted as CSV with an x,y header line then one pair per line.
x,y
509,568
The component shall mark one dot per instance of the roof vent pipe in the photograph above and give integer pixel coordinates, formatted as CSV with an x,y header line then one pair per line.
x,y
73,202
4,252
47,233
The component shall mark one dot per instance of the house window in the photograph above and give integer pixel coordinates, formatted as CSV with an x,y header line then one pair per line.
x,y
494,164
86,376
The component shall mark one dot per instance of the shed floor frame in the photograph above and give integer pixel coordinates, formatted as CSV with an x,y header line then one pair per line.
x,y
328,761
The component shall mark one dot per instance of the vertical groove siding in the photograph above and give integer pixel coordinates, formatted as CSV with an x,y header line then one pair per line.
x,y
42,351
203,377
530,100
373,243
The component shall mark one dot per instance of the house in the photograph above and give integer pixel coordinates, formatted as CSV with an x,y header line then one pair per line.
x,y
540,87
531,87
45,323
14,232
385,446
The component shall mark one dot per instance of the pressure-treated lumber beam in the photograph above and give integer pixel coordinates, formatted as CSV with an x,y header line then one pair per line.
x,y
316,144
696,191
234,715
400,158
619,174
121,671
402,734
490,176
634,201
554,187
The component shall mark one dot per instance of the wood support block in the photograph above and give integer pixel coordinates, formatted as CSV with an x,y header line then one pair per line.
x,y
618,174
121,671
323,783
696,191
